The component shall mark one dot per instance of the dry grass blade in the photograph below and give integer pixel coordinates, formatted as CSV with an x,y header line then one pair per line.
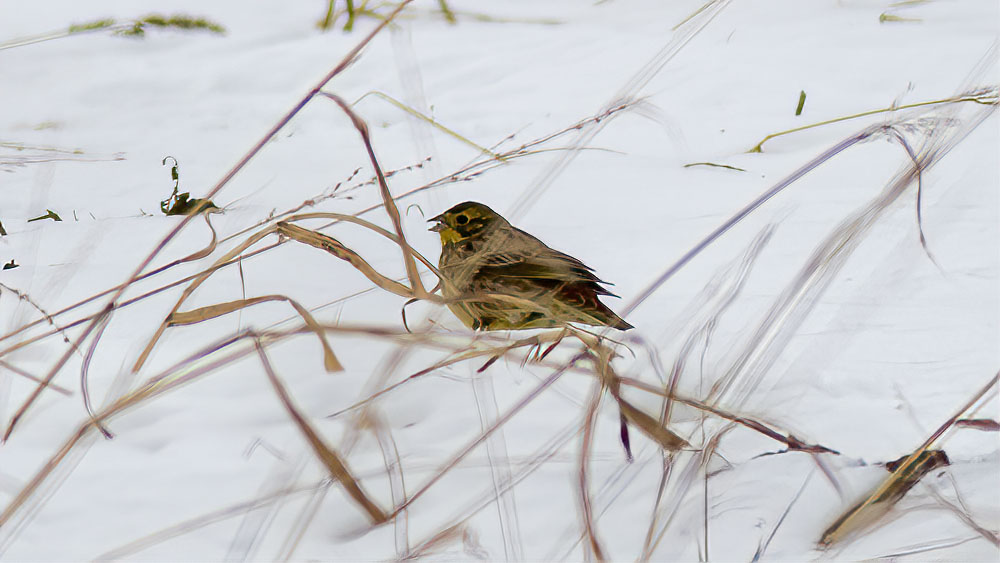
x,y
78,304
661,491
84,375
388,202
498,459
979,97
333,246
397,481
762,548
904,477
740,215
461,355
594,548
47,380
360,222
35,378
156,386
336,466
880,501
297,531
964,516
536,460
29,488
792,442
330,361
46,317
651,427
449,535
294,232
430,121
212,311
894,133
126,303
923,548
209,249
684,478
343,64
200,279
500,421
200,522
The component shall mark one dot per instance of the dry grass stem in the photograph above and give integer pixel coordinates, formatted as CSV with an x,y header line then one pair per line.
x,y
28,375
593,548
189,290
986,96
334,464
47,380
330,361
84,371
429,120
200,522
387,201
465,451
963,515
110,306
792,442
880,501
333,246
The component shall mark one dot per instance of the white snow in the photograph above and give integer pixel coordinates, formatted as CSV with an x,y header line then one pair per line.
x,y
884,351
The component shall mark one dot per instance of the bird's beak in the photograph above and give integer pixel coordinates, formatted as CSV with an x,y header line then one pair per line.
x,y
439,226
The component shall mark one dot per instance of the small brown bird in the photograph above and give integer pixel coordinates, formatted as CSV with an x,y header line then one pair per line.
x,y
502,278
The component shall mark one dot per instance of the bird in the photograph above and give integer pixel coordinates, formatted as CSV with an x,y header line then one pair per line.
x,y
495,276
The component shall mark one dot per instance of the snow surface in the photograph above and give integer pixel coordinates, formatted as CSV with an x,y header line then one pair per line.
x,y
870,366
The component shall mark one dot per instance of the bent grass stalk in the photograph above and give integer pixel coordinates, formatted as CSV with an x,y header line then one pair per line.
x,y
882,499
987,96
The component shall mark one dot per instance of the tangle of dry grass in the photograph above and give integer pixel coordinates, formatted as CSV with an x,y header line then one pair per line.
x,y
685,450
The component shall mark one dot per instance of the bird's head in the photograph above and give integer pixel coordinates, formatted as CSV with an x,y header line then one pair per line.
x,y
465,220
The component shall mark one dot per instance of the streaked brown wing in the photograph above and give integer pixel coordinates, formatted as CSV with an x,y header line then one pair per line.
x,y
530,258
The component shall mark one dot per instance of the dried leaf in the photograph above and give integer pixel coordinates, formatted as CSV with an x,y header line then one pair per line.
x,y
333,246
330,361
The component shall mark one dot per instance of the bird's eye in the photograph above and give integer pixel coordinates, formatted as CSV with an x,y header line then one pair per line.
x,y
461,219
